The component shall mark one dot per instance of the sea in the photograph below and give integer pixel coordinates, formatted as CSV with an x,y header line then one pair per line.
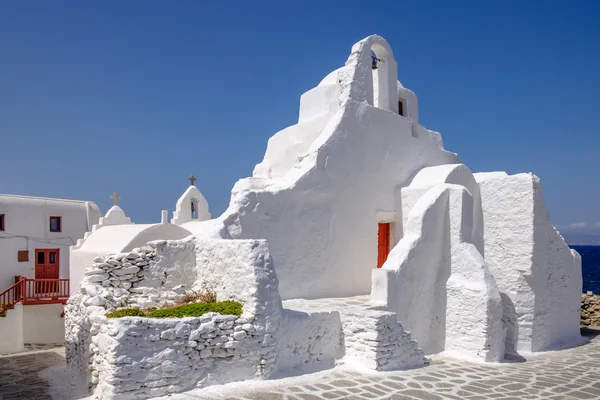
x,y
590,266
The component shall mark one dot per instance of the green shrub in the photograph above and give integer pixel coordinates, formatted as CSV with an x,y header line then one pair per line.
x,y
126,312
228,307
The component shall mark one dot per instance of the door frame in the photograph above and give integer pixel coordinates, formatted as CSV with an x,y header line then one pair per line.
x,y
46,263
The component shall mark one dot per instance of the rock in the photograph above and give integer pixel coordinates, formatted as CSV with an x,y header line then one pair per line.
x,y
239,335
98,277
131,269
169,334
90,272
205,353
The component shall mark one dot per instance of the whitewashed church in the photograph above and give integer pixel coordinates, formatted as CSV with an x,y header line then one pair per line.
x,y
358,239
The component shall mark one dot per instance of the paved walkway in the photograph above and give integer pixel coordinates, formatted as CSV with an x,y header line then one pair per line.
x,y
567,374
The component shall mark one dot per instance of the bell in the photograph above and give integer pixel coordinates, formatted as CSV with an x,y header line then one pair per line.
x,y
374,64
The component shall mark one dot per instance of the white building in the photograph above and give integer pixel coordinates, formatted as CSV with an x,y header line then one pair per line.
x,y
35,236
357,239
36,233
116,233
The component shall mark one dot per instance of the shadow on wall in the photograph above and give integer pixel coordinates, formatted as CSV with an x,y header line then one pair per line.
x,y
509,321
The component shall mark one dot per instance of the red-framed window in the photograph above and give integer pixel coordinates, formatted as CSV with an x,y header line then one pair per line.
x,y
55,223
1,222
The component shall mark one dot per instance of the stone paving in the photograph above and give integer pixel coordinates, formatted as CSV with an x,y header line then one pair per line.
x,y
19,378
566,374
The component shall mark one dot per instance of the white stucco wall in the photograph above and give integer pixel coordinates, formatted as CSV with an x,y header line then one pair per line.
x,y
458,174
11,331
27,222
321,217
183,209
43,324
537,274
116,239
437,282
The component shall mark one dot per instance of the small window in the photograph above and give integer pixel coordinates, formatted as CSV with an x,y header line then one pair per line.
x,y
1,222
55,224
23,256
193,209
52,257
41,257
400,108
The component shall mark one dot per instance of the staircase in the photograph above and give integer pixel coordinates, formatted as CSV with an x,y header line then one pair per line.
x,y
34,291
373,337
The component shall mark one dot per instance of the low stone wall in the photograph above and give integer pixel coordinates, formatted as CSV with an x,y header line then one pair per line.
x,y
136,357
590,310
374,339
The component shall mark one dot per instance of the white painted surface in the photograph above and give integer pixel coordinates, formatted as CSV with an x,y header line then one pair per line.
x,y
458,174
43,324
27,222
111,239
183,209
11,331
315,195
438,283
537,274
115,216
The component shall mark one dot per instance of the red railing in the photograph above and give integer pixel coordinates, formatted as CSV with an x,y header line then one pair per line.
x,y
45,291
10,297
36,291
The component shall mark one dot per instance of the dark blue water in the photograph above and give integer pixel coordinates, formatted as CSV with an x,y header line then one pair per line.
x,y
590,267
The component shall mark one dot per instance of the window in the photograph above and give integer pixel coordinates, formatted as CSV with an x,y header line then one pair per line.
x,y
23,256
400,108
41,257
52,257
193,209
1,222
54,224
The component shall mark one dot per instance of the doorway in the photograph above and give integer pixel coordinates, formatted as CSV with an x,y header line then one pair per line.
x,y
383,243
46,267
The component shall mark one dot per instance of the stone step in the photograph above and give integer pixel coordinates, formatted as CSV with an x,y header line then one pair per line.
x,y
375,339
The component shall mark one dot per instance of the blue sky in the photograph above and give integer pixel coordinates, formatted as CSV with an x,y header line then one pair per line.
x,y
134,96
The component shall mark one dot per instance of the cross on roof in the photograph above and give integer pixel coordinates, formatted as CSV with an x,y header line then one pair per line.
x,y
115,197
192,180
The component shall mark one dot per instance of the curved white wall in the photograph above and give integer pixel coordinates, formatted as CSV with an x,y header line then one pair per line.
x,y
438,283
320,218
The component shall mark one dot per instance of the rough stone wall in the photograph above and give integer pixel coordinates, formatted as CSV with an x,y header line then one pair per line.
x,y
375,340
308,341
590,310
170,355
144,357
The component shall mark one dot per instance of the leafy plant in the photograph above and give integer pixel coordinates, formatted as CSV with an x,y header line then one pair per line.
x,y
126,312
227,307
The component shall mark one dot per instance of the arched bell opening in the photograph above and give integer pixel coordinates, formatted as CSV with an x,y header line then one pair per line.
x,y
384,78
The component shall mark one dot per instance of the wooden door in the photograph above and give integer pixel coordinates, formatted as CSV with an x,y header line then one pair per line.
x,y
383,243
46,267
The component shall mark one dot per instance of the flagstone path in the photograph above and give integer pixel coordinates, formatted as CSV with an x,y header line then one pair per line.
x,y
40,374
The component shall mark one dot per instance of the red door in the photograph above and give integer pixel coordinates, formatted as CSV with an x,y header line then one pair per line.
x,y
46,267
383,243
